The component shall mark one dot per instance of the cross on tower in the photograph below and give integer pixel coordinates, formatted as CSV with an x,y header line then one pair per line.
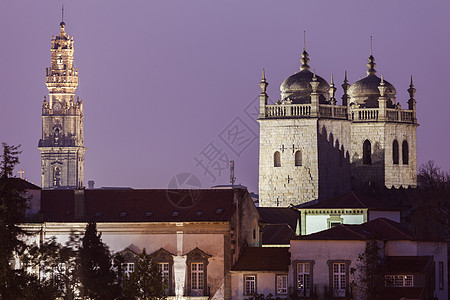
x,y
294,148
289,179
282,148
21,172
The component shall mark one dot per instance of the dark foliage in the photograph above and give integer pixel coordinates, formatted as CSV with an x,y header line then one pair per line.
x,y
146,281
97,276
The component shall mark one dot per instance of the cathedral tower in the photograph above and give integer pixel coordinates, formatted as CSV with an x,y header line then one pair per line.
x,y
62,143
304,141
312,148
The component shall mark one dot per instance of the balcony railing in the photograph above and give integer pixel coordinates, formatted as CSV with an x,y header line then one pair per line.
x,y
277,111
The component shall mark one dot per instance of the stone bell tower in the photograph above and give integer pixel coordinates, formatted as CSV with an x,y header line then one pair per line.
x,y
62,142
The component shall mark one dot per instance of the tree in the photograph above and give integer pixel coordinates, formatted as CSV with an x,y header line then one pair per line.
x,y
56,267
146,281
432,201
369,272
13,204
97,276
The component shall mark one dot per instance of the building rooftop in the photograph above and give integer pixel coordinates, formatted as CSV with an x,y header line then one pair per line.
x,y
263,259
349,200
381,228
158,205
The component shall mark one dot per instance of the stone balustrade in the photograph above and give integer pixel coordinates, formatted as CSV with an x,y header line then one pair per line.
x,y
339,112
288,110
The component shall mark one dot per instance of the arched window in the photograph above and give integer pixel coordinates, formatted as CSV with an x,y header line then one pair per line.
x,y
395,152
56,177
367,153
298,158
277,159
405,152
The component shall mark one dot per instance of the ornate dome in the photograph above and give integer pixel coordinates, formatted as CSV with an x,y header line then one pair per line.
x,y
365,91
298,88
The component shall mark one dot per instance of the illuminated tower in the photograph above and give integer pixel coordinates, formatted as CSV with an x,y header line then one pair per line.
x,y
62,142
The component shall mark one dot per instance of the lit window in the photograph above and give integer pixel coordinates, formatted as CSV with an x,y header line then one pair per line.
x,y
282,284
304,279
127,269
339,279
197,277
249,284
399,280
164,270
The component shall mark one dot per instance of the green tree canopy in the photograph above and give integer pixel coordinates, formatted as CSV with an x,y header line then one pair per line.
x,y
146,281
96,271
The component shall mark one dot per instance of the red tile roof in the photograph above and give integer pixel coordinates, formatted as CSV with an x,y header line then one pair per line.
x,y
277,234
20,183
279,215
141,205
350,200
382,228
263,259
407,265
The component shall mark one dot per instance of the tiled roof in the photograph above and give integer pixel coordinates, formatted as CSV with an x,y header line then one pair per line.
x,y
263,259
349,200
279,215
277,234
382,228
141,205
407,264
20,183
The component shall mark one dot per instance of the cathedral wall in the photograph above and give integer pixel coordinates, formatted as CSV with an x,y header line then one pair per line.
x,y
362,174
334,157
288,182
401,174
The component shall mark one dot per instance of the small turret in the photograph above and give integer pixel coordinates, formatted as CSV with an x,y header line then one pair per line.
x,y
345,87
332,91
263,95
411,91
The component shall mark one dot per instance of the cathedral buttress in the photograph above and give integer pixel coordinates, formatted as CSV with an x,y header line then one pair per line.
x,y
62,142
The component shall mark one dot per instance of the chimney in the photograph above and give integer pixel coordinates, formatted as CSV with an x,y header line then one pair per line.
x,y
91,184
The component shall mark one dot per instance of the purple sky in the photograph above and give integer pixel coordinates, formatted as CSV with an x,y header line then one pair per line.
x,y
161,80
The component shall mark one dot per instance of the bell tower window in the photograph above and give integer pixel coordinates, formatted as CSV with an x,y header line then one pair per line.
x,y
395,152
405,152
298,158
56,177
277,159
367,153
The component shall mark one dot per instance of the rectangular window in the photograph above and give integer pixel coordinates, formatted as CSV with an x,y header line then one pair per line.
x,y
197,279
441,275
399,280
249,284
282,284
164,270
127,268
339,279
304,279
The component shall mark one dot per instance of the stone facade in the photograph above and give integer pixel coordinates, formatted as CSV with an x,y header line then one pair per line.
x,y
317,149
62,143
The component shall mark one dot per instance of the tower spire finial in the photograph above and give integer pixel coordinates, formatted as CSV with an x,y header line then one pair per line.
x,y
304,40
305,56
370,45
